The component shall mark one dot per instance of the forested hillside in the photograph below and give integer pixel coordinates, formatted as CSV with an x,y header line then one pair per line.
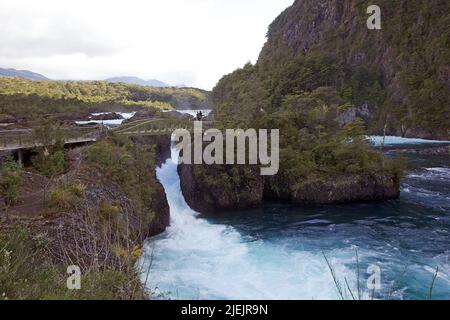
x,y
399,76
21,97
325,81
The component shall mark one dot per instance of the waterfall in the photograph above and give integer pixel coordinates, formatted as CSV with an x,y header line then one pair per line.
x,y
197,259
275,252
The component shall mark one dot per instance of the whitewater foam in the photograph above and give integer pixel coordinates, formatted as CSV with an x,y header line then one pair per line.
x,y
393,140
196,259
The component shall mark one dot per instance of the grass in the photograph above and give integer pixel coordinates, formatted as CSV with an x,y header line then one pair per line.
x,y
66,195
103,238
24,272
345,292
31,270
433,281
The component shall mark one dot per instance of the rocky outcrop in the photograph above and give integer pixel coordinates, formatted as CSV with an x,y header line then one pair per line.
x,y
156,222
145,217
160,207
345,190
72,116
106,116
422,133
7,118
437,151
353,113
177,115
148,113
162,145
207,193
157,217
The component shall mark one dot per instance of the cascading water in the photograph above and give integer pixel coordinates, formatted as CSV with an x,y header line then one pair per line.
x,y
199,259
277,252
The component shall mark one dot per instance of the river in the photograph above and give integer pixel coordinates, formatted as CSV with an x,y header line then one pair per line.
x,y
277,252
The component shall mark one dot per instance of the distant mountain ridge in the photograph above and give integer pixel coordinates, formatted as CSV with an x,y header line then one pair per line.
x,y
26,74
21,74
139,81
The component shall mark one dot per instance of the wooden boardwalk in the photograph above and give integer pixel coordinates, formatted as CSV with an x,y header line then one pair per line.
x,y
18,139
155,127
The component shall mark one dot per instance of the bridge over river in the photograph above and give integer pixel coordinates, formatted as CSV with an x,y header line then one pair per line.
x,y
155,127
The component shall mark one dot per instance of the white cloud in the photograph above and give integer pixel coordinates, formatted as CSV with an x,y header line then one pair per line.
x,y
178,41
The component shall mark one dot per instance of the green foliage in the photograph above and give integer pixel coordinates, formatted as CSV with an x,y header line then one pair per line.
x,y
312,144
50,158
400,72
111,218
49,165
304,80
113,160
47,132
24,274
21,97
128,164
28,273
108,284
353,130
10,180
108,211
65,196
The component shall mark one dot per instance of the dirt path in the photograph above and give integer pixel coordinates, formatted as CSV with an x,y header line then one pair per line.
x,y
34,190
32,201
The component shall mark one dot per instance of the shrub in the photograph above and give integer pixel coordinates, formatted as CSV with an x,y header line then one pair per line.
x,y
28,273
24,273
107,211
66,196
50,165
10,179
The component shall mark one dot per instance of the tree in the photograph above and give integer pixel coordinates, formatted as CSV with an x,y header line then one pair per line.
x,y
10,179
50,158
47,132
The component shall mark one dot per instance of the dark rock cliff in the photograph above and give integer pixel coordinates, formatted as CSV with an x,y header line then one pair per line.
x,y
345,190
159,206
162,212
162,145
206,195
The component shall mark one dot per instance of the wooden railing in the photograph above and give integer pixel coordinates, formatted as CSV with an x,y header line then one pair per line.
x,y
24,138
156,127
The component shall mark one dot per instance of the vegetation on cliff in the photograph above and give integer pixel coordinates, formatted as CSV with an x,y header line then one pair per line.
x,y
401,71
321,64
10,179
318,155
95,214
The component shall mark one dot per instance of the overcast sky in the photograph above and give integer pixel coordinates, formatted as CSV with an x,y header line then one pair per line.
x,y
193,42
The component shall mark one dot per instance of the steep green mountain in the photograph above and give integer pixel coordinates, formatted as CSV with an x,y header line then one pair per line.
x,y
21,74
397,77
325,81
